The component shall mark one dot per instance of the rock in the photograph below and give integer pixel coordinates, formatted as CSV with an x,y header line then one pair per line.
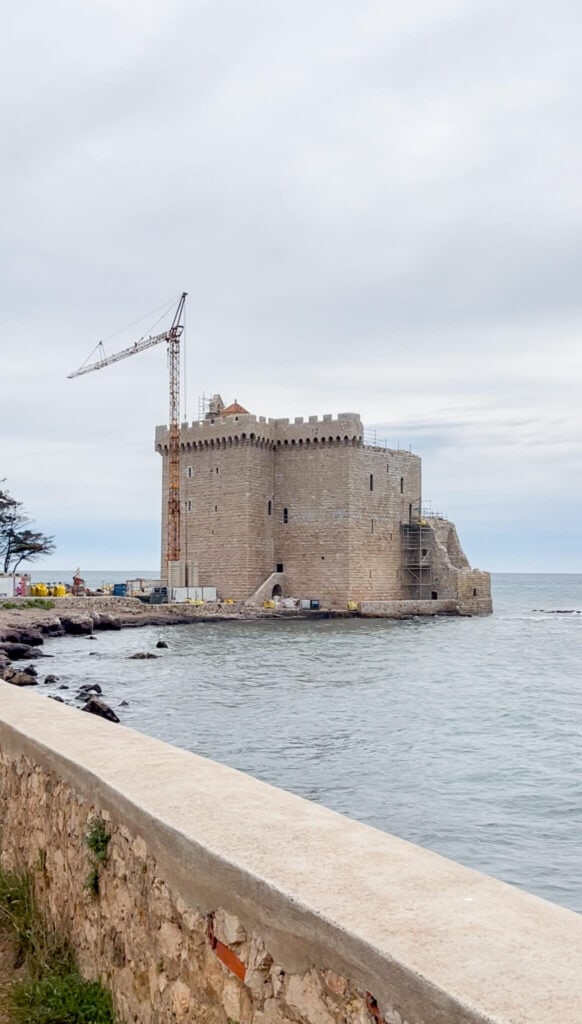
x,y
79,626
25,635
124,704
19,678
30,670
142,655
53,629
90,688
53,696
63,686
161,643
18,652
51,679
91,636
105,621
98,707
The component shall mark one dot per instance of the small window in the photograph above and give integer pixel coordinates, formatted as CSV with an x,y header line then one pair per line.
x,y
189,470
402,485
279,567
189,506
269,507
371,481
474,592
216,508
285,515
217,469
372,528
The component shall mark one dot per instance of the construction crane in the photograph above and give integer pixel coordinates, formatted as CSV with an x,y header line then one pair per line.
x,y
172,336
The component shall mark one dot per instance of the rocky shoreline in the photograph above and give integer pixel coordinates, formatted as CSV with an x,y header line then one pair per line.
x,y
23,627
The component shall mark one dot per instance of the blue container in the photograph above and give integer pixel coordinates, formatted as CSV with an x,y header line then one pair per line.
x,y
313,603
119,589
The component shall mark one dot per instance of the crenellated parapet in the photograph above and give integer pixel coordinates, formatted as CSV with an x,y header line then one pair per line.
x,y
231,431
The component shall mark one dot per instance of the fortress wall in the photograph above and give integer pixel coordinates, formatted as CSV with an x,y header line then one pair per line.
x,y
312,483
226,532
223,899
375,544
452,576
342,540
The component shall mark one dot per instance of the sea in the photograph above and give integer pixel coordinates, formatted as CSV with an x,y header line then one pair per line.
x,y
460,734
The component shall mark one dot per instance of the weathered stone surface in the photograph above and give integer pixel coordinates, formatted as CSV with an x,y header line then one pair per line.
x,y
19,678
142,655
77,626
18,651
98,707
52,679
104,620
228,928
161,643
90,688
24,635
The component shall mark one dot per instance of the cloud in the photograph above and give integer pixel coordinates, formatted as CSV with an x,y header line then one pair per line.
x,y
372,207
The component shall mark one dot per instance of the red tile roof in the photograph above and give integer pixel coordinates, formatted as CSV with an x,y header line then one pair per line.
x,y
233,410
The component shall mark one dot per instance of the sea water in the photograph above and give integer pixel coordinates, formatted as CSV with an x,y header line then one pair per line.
x,y
460,734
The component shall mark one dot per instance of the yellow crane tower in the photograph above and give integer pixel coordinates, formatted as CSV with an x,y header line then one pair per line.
x,y
172,336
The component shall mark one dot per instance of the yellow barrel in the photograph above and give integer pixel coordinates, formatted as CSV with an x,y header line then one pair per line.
x,y
60,590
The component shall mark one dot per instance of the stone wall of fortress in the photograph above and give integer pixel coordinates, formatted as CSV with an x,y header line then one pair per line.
x,y
223,900
310,496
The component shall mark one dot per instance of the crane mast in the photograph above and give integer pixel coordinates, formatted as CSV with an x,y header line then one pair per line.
x,y
172,336
173,553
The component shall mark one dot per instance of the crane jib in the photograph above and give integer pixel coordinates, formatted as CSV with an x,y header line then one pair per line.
x,y
139,346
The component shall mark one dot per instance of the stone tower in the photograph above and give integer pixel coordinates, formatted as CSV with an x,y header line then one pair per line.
x,y
308,509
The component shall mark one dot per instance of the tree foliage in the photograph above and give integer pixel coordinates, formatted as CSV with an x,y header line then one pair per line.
x,y
18,542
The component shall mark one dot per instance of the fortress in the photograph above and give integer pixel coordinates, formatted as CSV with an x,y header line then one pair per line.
x,y
310,510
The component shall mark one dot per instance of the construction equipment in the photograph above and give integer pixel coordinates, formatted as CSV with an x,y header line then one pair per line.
x,y
172,336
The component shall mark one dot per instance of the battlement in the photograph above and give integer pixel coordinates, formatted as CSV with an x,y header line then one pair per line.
x,y
245,428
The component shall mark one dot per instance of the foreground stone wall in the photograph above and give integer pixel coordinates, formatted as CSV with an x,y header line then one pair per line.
x,y
225,900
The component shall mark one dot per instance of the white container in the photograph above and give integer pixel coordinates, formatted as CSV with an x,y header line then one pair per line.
x,y
209,593
6,585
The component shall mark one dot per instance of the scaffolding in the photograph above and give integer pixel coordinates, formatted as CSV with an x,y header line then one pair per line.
x,y
416,538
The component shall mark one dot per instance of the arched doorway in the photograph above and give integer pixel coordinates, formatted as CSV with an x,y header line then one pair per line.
x,y
277,590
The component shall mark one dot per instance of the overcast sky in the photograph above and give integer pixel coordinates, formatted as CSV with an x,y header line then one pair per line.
x,y
373,206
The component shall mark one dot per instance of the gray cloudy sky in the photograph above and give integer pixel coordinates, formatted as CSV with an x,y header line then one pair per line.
x,y
374,206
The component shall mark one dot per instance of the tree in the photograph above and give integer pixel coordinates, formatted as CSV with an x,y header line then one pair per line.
x,y
18,543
